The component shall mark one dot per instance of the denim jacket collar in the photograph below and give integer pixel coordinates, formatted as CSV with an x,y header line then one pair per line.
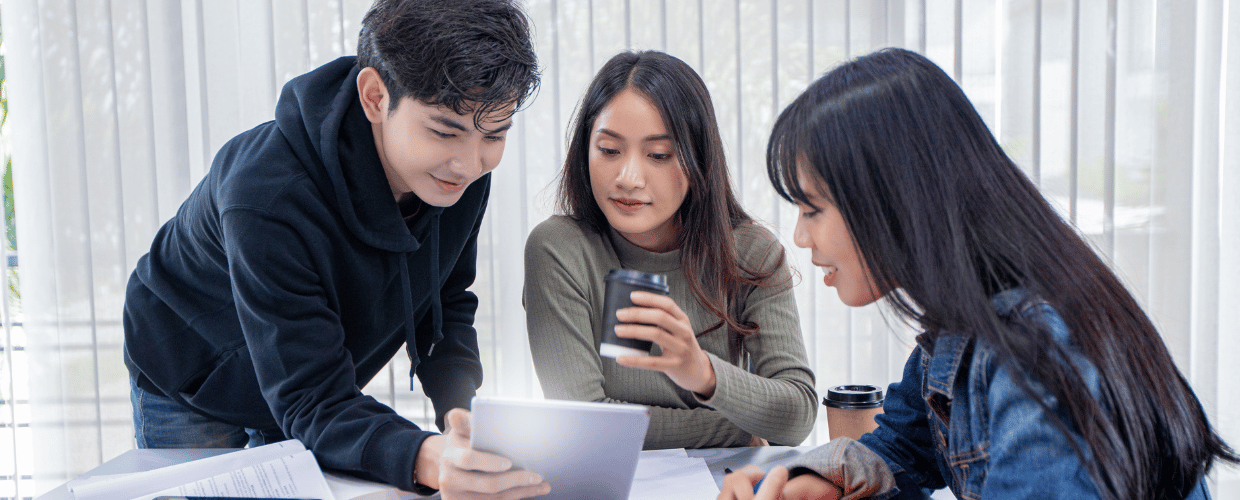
x,y
950,350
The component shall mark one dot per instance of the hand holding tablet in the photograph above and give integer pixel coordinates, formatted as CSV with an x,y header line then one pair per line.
x,y
464,472
582,449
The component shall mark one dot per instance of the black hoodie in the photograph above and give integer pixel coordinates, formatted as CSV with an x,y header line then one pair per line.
x,y
289,278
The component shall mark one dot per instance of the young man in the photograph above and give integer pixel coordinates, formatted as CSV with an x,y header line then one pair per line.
x,y
321,242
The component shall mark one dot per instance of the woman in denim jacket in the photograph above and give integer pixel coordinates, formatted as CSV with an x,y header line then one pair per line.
x,y
1037,374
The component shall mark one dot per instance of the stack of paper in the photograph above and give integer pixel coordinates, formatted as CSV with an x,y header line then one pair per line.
x,y
672,474
279,470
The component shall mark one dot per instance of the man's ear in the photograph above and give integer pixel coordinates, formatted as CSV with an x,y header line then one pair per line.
x,y
373,94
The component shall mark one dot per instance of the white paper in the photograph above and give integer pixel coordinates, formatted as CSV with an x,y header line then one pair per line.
x,y
294,476
672,476
669,453
147,483
351,488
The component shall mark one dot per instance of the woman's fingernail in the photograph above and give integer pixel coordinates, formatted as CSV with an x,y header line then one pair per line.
x,y
535,479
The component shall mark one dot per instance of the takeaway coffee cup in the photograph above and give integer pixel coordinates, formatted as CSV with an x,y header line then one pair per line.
x,y
620,283
851,409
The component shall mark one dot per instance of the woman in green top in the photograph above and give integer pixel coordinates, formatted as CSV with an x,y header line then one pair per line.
x,y
645,186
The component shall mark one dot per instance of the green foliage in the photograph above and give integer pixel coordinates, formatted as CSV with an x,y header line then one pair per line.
x,y
10,223
10,226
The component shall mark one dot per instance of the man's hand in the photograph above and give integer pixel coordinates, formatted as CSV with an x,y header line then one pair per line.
x,y
448,463
739,485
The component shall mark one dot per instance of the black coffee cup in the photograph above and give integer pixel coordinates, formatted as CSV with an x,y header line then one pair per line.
x,y
620,283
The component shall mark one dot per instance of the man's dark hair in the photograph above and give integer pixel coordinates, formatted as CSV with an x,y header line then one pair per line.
x,y
467,55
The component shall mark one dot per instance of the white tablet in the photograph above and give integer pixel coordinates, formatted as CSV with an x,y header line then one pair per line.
x,y
583,450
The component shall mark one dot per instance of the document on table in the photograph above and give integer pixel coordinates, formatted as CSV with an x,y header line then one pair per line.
x,y
294,476
672,474
279,470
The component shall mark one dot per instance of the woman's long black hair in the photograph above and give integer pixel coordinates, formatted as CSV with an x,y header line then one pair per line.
x,y
944,220
710,213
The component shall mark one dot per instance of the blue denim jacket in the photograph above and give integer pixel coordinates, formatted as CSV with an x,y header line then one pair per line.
x,y
958,419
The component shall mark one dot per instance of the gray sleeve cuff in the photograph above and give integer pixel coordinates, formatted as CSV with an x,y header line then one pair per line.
x,y
851,466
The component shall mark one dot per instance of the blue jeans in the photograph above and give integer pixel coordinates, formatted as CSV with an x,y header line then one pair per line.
x,y
161,422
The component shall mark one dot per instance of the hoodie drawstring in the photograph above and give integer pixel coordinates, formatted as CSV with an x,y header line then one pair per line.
x,y
436,294
436,300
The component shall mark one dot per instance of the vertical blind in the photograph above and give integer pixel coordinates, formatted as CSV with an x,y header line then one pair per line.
x,y
1126,114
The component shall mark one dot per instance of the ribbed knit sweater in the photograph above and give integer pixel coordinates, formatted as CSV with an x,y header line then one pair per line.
x,y
763,388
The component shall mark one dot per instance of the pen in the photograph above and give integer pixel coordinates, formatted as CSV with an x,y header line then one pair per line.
x,y
726,471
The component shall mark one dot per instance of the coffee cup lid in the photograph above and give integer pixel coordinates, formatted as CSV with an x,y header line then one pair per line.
x,y
638,278
854,396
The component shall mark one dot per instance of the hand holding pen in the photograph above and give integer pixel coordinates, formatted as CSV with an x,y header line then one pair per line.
x,y
750,484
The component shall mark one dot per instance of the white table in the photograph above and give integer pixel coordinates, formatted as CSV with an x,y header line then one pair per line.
x,y
717,459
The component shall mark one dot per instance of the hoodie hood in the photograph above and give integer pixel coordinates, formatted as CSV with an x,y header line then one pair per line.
x,y
342,160
337,145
